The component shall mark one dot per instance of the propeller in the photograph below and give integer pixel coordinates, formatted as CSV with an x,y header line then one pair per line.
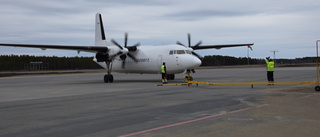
x,y
189,42
189,45
125,51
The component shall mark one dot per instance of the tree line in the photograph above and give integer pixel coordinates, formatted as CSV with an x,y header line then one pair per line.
x,y
27,62
218,60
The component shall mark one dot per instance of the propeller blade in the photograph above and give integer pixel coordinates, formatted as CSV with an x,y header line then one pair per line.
x,y
119,53
116,43
198,44
123,57
125,39
132,57
193,53
123,64
136,45
189,40
179,43
133,48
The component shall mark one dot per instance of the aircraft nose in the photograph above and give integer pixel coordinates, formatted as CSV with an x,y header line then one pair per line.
x,y
196,62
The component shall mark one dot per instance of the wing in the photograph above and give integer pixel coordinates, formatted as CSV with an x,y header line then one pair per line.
x,y
219,46
93,49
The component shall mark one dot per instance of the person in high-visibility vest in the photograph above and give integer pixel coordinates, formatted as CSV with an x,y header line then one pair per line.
x,y
164,73
270,69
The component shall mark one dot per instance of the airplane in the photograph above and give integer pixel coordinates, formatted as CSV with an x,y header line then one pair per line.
x,y
114,57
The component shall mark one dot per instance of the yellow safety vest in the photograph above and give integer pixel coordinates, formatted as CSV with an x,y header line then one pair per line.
x,y
163,70
270,65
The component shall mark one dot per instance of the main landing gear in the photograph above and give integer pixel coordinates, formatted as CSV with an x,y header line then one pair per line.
x,y
109,77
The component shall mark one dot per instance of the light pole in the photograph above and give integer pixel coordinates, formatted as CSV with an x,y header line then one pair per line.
x,y
274,55
317,62
249,47
248,57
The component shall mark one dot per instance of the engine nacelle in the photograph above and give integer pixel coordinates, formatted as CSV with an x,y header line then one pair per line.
x,y
102,57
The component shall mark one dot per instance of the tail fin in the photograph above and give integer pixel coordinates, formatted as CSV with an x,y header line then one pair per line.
x,y
100,35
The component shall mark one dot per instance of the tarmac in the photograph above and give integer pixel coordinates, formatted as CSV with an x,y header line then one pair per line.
x,y
81,104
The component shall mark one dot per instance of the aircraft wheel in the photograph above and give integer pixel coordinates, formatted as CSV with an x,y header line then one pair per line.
x,y
317,88
188,78
108,78
191,78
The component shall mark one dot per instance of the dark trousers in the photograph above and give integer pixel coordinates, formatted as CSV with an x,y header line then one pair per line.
x,y
163,75
270,76
164,78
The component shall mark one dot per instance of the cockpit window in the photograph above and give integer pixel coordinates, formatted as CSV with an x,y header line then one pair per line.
x,y
172,52
181,52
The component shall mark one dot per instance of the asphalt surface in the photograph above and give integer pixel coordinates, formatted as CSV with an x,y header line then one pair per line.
x,y
83,105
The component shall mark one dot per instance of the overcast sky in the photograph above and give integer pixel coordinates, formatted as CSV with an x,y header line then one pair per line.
x,y
290,27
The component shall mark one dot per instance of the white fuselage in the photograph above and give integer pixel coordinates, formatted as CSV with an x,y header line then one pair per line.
x,y
150,59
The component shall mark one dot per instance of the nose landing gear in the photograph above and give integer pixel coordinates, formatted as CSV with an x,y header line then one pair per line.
x,y
189,75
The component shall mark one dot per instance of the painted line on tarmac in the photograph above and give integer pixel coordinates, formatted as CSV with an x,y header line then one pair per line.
x,y
307,96
191,121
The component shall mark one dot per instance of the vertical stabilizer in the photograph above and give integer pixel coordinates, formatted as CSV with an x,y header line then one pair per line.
x,y
100,35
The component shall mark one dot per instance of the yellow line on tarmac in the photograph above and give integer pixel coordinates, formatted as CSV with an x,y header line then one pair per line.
x,y
256,83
